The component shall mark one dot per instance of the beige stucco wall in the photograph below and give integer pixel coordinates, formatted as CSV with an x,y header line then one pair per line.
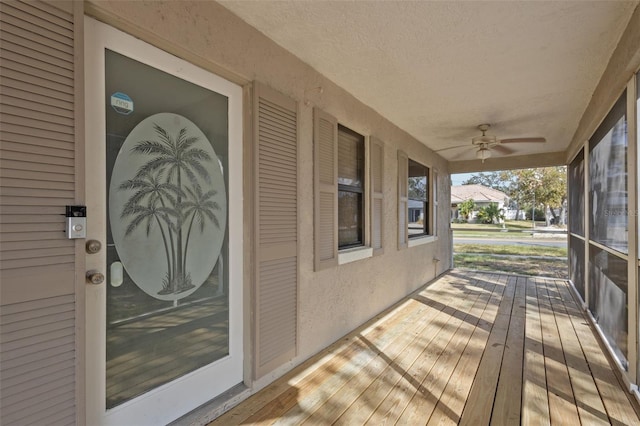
x,y
624,62
334,301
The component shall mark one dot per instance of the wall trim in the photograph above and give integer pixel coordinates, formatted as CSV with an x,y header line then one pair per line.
x,y
509,163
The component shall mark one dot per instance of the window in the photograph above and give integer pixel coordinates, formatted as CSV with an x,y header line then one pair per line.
x,y
608,217
350,188
434,197
347,212
576,223
418,203
576,195
607,180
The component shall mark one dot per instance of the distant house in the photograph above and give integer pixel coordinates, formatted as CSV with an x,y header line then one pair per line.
x,y
416,211
481,195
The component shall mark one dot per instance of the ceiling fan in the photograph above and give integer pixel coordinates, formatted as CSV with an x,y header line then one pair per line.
x,y
486,143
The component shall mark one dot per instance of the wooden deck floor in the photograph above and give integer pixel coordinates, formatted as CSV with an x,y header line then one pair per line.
x,y
471,349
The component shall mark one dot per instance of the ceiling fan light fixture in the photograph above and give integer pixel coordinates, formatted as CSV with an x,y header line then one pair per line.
x,y
483,153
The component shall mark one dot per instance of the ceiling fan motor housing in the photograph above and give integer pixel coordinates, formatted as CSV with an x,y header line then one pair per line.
x,y
484,140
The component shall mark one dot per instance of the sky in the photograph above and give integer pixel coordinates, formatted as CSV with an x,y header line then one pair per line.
x,y
457,179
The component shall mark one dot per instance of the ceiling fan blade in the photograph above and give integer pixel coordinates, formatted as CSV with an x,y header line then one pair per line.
x,y
524,140
460,154
453,147
503,149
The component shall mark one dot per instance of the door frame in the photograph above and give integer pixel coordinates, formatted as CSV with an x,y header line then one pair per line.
x,y
159,405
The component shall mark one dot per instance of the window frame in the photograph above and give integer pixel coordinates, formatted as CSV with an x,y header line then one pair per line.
x,y
403,205
427,201
325,198
361,189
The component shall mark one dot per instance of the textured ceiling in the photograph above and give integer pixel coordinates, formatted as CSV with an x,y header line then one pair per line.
x,y
438,69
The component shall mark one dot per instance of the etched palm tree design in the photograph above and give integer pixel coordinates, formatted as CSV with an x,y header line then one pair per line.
x,y
163,197
200,207
153,199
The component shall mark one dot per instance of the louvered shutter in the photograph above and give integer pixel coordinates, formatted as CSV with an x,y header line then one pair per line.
x,y
325,149
276,201
403,200
37,179
377,195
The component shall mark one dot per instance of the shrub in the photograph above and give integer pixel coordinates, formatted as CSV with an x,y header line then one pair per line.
x,y
539,214
490,214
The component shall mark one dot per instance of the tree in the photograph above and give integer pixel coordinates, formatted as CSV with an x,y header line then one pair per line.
x,y
496,180
547,186
553,188
466,208
505,181
418,187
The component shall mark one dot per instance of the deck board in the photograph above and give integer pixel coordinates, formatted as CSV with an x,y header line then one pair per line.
x,y
590,407
477,410
395,371
618,407
424,402
449,409
432,313
535,402
506,408
397,400
562,405
470,348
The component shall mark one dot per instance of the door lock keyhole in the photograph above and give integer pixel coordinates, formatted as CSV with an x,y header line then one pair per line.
x,y
95,277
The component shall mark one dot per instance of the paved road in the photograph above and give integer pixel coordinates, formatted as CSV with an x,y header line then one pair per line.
x,y
512,242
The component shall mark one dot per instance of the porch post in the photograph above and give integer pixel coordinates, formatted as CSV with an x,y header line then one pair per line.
x,y
632,231
585,218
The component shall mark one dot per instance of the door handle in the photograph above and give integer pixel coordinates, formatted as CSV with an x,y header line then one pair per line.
x,y
93,246
95,277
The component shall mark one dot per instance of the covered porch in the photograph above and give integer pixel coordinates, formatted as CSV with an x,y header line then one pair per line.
x,y
469,348
338,308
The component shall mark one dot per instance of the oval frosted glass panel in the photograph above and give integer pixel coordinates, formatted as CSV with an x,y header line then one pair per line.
x,y
166,179
608,297
608,202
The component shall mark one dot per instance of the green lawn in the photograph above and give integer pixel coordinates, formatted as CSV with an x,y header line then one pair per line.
x,y
510,250
556,268
491,234
509,224
512,229
488,257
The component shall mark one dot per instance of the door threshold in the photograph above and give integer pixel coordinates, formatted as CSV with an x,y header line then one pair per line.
x,y
214,408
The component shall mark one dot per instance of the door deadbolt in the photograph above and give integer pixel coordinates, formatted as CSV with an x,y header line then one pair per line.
x,y
93,246
95,277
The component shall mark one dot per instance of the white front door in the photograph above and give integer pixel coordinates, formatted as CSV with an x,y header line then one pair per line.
x,y
164,201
